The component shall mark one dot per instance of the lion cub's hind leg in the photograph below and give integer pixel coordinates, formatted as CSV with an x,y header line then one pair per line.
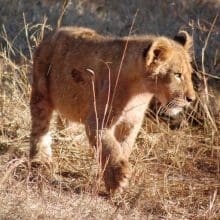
x,y
40,141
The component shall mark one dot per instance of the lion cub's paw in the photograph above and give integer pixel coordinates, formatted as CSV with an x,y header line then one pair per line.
x,y
116,175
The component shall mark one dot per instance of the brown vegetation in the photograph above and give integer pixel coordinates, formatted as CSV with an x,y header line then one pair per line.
x,y
176,173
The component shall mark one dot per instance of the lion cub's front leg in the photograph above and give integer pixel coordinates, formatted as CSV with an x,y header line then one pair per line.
x,y
115,165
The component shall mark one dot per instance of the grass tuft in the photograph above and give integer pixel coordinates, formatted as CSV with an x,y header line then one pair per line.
x,y
176,172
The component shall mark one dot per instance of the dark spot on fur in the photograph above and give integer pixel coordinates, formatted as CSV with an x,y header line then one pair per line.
x,y
103,84
77,76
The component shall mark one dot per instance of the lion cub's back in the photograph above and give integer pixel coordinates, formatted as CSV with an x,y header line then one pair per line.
x,y
76,32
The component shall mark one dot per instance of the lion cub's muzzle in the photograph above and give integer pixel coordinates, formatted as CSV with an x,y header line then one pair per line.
x,y
176,106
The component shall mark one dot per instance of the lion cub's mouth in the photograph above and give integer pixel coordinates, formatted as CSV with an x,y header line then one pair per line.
x,y
174,107
174,111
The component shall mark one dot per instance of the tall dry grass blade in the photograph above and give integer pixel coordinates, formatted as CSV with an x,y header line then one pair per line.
x,y
64,7
203,57
120,66
43,28
27,37
204,75
4,36
108,96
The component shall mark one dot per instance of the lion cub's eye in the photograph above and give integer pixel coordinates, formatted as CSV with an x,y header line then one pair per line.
x,y
178,76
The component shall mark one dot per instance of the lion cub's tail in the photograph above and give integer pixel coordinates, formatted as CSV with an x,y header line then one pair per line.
x,y
42,65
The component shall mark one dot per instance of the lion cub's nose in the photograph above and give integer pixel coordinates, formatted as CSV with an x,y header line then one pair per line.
x,y
190,99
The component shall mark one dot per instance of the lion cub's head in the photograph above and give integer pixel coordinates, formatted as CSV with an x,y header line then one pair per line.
x,y
168,72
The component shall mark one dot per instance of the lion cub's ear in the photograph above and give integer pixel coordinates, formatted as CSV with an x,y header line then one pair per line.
x,y
184,39
159,51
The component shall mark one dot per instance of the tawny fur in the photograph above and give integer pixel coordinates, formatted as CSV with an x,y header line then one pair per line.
x,y
75,72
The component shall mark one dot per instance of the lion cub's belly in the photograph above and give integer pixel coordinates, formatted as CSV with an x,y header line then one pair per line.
x,y
69,98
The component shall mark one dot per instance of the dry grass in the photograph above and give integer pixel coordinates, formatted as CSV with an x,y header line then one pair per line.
x,y
176,173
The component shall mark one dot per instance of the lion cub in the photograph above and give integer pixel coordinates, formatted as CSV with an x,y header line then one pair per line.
x,y
92,79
